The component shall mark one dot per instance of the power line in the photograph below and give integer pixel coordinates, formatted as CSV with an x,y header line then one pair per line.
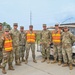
x,y
30,18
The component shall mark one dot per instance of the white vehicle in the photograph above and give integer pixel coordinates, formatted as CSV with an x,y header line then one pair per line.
x,y
73,51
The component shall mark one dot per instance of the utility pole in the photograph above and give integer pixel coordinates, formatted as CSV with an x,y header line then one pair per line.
x,y
30,18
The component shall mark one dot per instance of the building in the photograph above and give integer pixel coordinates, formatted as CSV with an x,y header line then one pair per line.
x,y
71,27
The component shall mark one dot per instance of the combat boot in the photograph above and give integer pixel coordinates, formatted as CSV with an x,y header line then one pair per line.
x,y
59,63
4,71
64,65
34,61
18,63
23,60
26,61
48,60
19,60
43,60
70,66
0,65
11,68
54,61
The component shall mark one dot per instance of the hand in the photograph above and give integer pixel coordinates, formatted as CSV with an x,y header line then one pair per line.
x,y
2,38
40,43
49,43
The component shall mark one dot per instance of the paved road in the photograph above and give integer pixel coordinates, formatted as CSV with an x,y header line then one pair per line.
x,y
39,68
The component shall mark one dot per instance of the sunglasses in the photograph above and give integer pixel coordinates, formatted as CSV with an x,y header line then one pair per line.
x,y
6,31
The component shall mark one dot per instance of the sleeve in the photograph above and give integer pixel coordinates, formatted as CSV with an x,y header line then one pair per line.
x,y
61,34
72,37
50,36
41,36
20,37
3,39
35,36
26,35
10,32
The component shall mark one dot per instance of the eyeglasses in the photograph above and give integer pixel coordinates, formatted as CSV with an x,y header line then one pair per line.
x,y
6,31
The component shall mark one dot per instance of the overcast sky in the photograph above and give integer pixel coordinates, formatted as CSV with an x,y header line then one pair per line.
x,y
43,11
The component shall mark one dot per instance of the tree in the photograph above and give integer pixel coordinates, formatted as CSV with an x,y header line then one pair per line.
x,y
6,25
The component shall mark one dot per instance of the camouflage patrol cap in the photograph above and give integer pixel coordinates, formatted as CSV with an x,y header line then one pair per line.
x,y
31,26
21,27
15,24
6,29
44,25
56,24
65,27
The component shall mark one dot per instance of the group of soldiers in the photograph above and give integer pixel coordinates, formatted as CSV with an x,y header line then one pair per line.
x,y
13,44
62,40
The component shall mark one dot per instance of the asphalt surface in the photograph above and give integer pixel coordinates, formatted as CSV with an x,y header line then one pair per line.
x,y
39,68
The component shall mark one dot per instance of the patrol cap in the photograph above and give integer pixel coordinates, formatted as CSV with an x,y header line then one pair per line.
x,y
21,27
6,29
31,26
56,24
44,25
15,24
65,27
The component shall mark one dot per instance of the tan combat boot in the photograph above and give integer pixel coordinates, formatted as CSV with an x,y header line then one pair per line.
x,y
18,63
43,60
64,65
11,68
48,60
26,61
4,71
54,61
23,60
0,65
59,63
34,61
70,66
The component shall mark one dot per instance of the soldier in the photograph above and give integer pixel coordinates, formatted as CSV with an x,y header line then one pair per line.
x,y
22,43
7,51
56,39
45,41
16,39
1,46
30,43
67,41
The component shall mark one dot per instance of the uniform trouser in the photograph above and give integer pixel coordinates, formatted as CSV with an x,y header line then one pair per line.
x,y
57,52
16,52
67,53
22,51
7,58
32,46
1,55
45,50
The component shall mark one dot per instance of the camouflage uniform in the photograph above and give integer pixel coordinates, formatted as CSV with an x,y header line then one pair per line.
x,y
32,46
16,39
22,44
57,50
45,37
1,46
7,56
67,39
